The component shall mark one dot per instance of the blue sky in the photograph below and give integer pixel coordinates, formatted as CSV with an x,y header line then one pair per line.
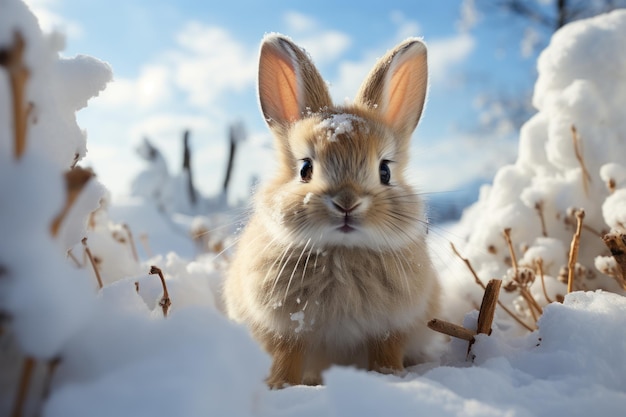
x,y
189,64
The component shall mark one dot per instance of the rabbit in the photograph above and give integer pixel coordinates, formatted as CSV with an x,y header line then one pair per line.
x,y
332,266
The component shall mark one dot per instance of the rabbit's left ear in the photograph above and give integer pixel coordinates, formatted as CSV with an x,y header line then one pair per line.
x,y
396,87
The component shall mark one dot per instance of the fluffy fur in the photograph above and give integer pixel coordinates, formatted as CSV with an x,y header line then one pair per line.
x,y
333,268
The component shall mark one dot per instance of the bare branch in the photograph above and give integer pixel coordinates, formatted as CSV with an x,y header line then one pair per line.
x,y
573,253
93,262
165,302
13,60
451,329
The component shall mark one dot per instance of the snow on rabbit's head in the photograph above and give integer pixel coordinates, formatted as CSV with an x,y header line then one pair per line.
x,y
340,176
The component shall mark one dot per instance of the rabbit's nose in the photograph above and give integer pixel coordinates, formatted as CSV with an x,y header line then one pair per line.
x,y
346,208
346,201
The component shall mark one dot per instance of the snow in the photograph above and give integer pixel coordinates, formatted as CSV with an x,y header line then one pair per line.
x,y
338,124
119,354
569,158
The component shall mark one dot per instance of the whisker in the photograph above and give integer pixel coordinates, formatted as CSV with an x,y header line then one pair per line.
x,y
306,263
295,268
280,272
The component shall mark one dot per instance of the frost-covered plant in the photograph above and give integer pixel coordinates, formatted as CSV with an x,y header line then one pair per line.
x,y
571,157
46,199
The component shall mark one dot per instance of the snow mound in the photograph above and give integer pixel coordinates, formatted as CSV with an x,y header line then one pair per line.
x,y
571,365
570,158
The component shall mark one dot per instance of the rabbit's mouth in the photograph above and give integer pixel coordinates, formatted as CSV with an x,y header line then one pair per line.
x,y
348,225
346,228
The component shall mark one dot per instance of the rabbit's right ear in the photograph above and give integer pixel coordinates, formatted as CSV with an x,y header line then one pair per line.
x,y
289,83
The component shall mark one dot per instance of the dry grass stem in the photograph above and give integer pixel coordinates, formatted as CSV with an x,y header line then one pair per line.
x,y
93,262
487,310
22,389
13,60
52,367
75,181
451,329
479,282
131,242
165,302
70,255
507,236
530,301
468,264
137,286
616,242
611,185
573,252
533,306
593,231
581,160
543,280
488,307
539,209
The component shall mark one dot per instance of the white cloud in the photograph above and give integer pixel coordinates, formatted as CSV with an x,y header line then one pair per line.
x,y
445,54
406,28
324,45
470,16
151,88
208,63
350,76
298,22
211,61
327,46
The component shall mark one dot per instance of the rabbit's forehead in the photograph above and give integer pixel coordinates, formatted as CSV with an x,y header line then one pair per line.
x,y
322,137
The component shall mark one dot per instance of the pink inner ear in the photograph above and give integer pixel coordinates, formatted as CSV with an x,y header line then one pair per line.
x,y
398,90
278,87
405,93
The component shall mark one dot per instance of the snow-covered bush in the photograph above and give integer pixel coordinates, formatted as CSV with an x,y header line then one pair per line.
x,y
63,341
571,157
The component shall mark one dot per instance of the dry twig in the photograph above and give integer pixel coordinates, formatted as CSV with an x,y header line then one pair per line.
x,y
487,310
451,329
581,160
573,252
70,255
131,241
93,262
616,242
13,60
52,367
75,181
543,280
539,209
479,282
507,236
165,302
22,389
488,306
485,317
533,306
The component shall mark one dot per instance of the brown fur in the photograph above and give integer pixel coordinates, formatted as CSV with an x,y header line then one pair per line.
x,y
314,296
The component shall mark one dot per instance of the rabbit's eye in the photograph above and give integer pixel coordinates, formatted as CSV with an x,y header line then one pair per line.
x,y
306,172
385,172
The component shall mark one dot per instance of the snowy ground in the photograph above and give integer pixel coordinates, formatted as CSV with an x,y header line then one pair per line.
x,y
118,355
